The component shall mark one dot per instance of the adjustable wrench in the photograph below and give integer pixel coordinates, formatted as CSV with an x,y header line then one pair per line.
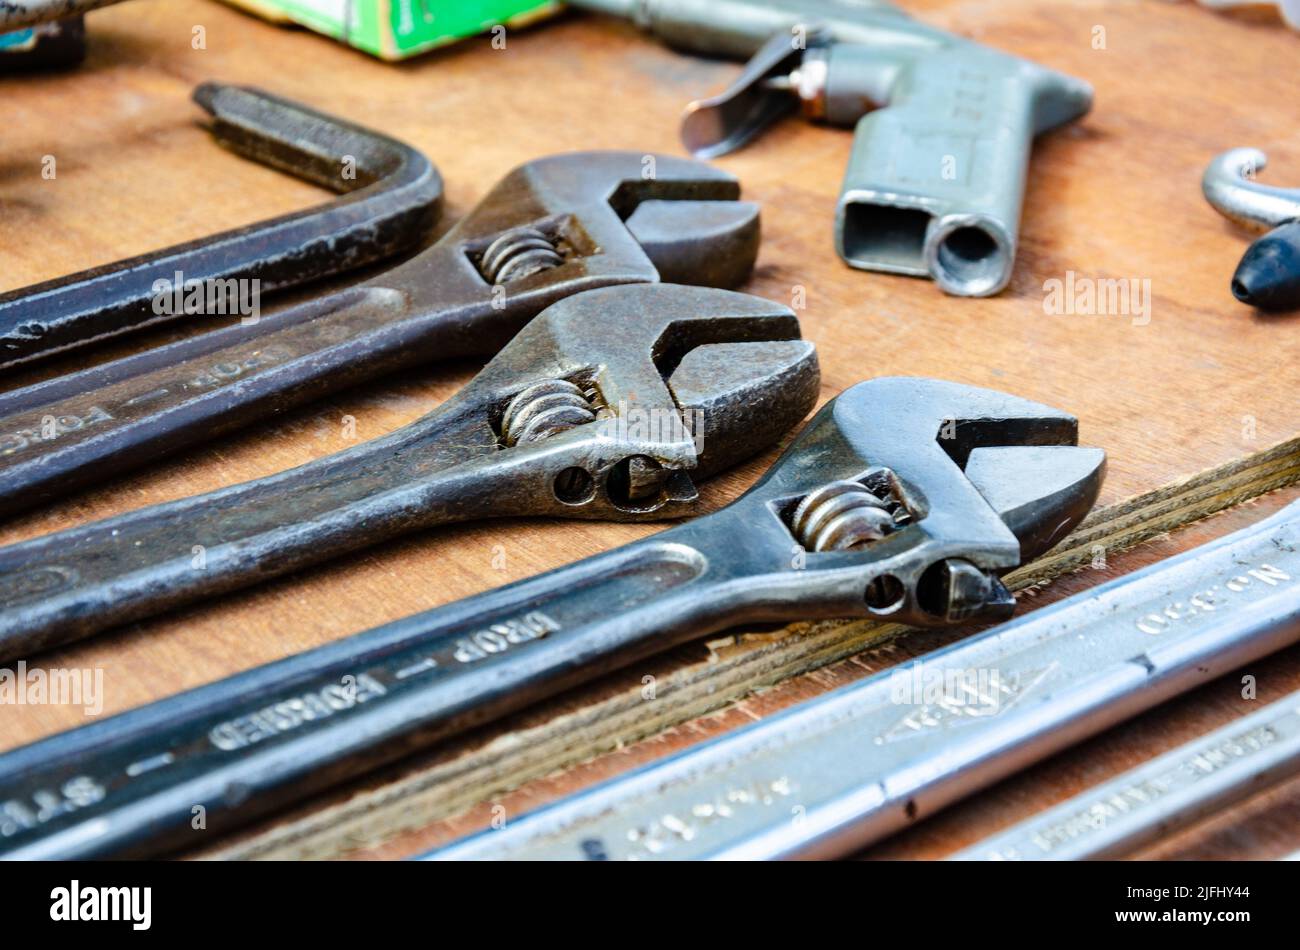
x,y
903,498
500,447
837,773
551,228
393,198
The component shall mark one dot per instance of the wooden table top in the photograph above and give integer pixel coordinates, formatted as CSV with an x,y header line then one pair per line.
x,y
1195,400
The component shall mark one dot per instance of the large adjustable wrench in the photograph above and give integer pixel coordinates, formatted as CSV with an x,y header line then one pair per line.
x,y
903,498
832,775
518,440
551,228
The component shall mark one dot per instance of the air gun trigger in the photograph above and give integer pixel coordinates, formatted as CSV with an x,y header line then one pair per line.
x,y
768,89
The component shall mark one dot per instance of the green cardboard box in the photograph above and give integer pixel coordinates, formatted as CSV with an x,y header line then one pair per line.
x,y
396,29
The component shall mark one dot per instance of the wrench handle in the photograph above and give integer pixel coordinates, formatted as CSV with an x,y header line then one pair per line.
x,y
65,586
131,784
396,197
75,430
864,761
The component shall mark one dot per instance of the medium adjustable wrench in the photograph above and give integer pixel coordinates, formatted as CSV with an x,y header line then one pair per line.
x,y
393,197
502,446
834,774
551,228
903,498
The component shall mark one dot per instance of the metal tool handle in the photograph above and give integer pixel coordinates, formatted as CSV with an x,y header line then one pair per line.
x,y
76,430
394,196
61,587
837,773
936,179
245,745
738,28
1160,797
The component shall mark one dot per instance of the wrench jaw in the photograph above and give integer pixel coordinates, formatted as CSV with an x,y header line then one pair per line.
x,y
702,243
613,403
1040,491
732,400
561,225
927,492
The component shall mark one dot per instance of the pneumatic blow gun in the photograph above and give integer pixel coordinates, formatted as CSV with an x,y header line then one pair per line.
x,y
936,178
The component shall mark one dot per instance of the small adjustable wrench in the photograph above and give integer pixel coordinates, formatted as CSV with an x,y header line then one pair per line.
x,y
551,228
903,498
515,441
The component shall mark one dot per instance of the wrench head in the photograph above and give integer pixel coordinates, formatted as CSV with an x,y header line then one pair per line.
x,y
560,225
631,393
934,489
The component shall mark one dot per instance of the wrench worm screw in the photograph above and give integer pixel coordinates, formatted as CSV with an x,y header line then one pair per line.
x,y
840,516
544,409
518,254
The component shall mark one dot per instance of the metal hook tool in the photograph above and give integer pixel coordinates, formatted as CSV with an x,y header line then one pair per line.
x,y
552,228
903,498
1268,276
392,199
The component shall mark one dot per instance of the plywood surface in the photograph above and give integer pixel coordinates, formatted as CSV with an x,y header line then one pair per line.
x,y
1203,385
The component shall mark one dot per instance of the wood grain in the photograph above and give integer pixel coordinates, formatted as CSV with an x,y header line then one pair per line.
x,y
1203,386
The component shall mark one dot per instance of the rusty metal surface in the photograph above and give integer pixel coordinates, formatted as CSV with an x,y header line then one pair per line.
x,y
392,197
445,302
254,742
595,364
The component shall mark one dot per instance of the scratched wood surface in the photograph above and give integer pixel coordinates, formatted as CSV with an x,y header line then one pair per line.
x,y
1201,385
